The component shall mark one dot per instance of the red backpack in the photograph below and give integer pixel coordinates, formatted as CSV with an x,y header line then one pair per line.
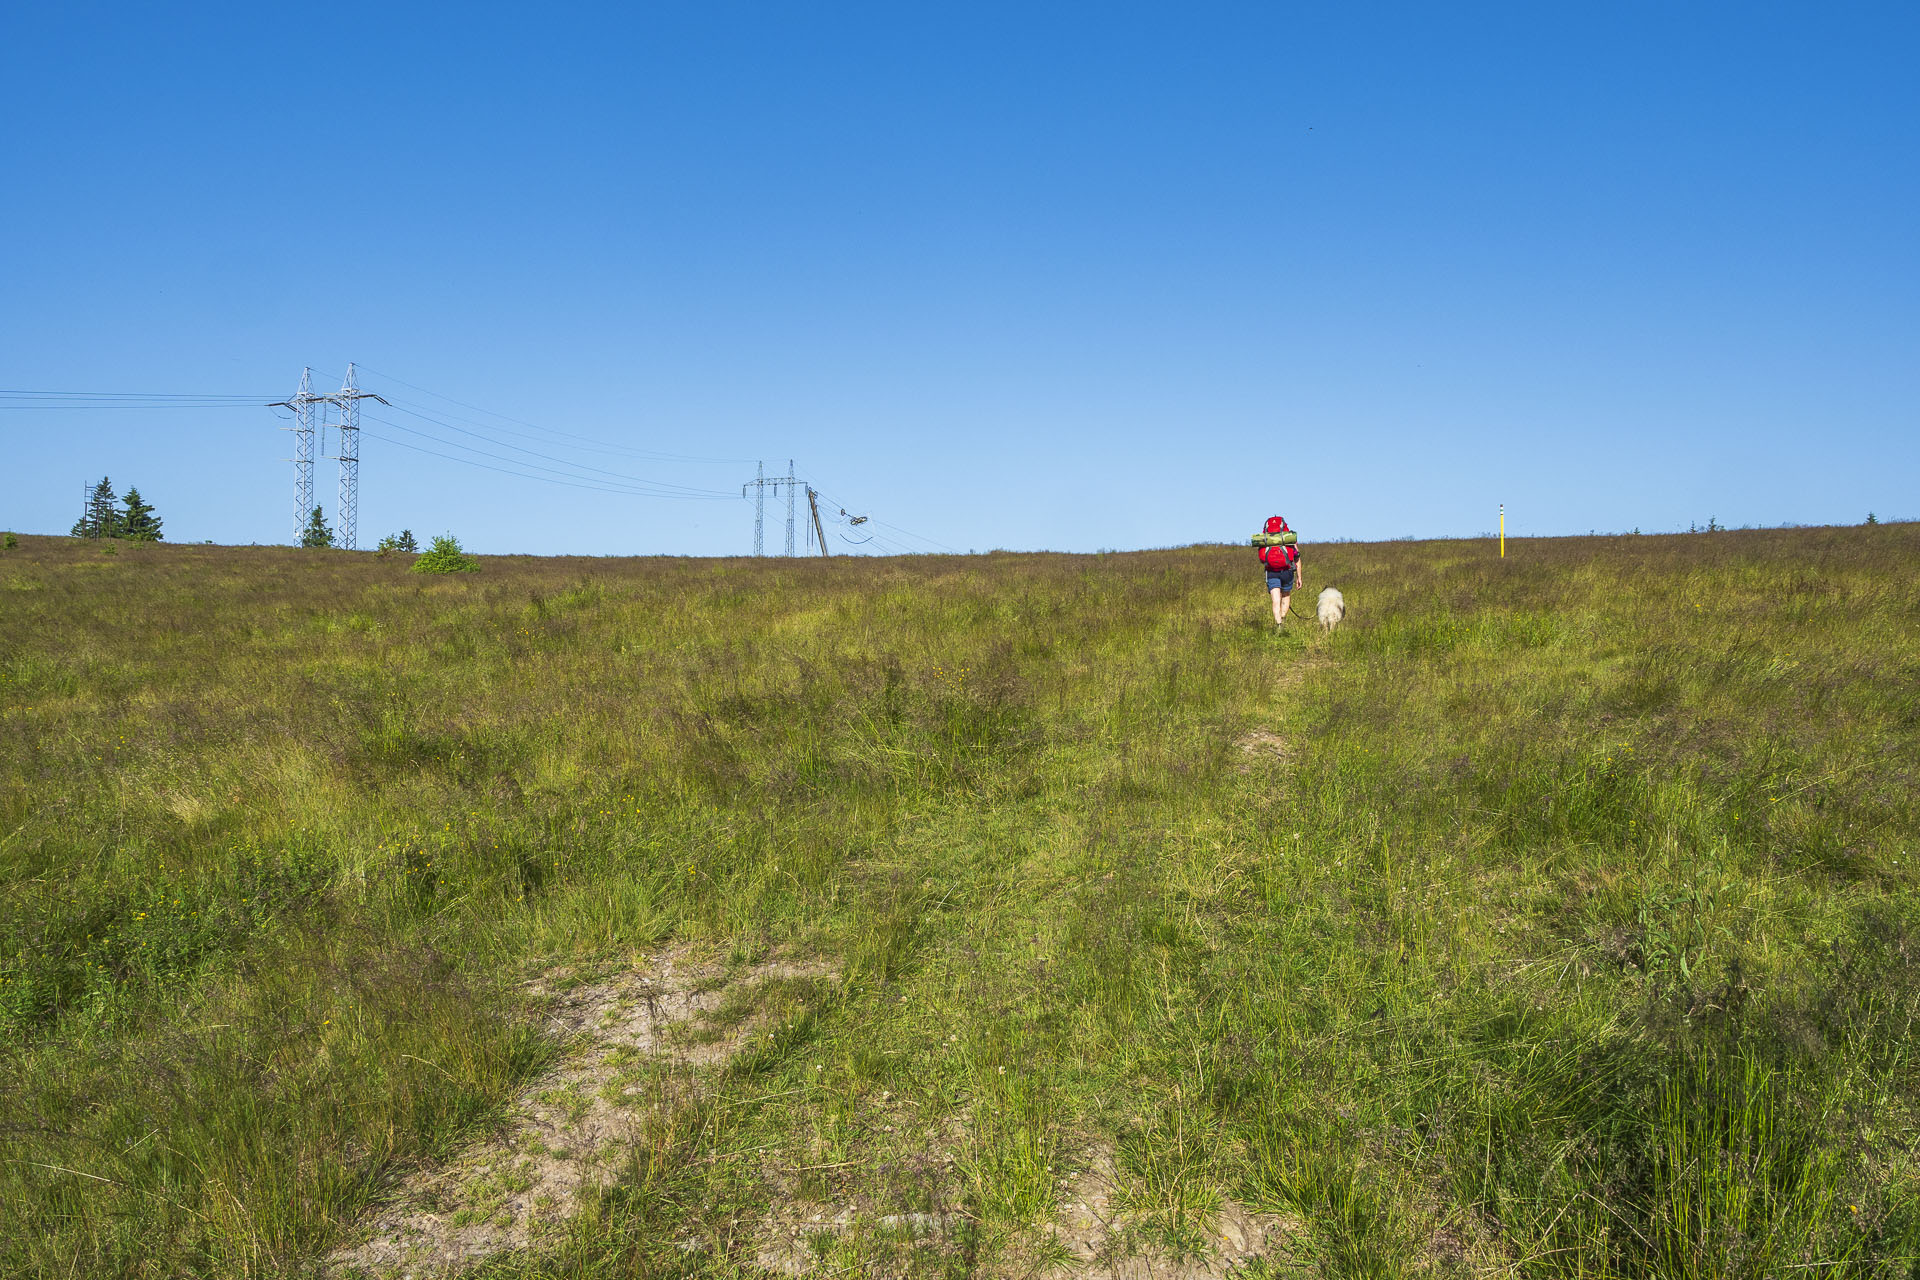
x,y
1278,558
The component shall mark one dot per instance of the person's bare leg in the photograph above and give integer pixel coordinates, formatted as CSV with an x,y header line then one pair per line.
x,y
1279,606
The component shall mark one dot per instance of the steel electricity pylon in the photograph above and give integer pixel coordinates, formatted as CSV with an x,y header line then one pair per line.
x,y
348,399
789,507
760,483
302,406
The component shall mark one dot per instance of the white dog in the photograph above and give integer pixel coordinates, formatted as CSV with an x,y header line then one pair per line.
x,y
1333,607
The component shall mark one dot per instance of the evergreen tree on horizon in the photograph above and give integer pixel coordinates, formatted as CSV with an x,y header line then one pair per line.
x,y
317,533
139,522
100,519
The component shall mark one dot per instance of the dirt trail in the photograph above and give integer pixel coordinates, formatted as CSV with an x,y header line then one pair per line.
x,y
1103,1246
1259,744
1091,1238
567,1130
570,1130
1262,742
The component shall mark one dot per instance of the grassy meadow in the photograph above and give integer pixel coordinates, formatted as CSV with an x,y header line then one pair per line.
x,y
1555,917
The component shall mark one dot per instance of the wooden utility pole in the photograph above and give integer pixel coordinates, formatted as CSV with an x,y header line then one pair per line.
x,y
813,505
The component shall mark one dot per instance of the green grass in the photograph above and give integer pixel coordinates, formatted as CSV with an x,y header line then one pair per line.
x,y
1576,936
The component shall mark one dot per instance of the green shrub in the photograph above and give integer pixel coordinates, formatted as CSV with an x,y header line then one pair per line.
x,y
445,556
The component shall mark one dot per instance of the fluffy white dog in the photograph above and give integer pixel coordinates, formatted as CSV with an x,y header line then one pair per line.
x,y
1333,607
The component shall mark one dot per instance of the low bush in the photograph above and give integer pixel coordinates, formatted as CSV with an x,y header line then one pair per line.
x,y
445,556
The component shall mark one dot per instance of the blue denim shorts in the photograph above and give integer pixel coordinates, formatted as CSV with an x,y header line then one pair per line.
x,y
1281,581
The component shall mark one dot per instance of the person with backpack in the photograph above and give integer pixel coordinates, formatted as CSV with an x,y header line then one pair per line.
x,y
1282,564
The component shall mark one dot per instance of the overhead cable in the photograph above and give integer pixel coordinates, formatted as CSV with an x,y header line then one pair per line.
x,y
605,445
917,537
572,484
546,457
635,485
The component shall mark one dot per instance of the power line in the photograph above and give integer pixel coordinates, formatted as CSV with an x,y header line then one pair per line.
x,y
131,404
533,453
134,395
571,484
605,445
651,487
647,455
639,486
917,537
40,400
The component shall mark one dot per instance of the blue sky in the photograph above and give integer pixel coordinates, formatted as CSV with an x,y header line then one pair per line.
x,y
1067,276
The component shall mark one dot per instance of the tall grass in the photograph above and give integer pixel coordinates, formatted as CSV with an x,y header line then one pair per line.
x,y
1575,933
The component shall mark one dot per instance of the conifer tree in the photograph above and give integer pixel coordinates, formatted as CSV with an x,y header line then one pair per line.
x,y
316,534
139,522
100,519
398,542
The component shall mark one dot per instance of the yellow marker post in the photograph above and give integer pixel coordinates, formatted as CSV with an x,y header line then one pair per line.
x,y
1503,531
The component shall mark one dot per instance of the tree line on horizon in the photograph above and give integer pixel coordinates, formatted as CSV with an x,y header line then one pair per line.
x,y
108,516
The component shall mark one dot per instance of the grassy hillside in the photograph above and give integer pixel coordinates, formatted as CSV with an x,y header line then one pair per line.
x,y
1556,917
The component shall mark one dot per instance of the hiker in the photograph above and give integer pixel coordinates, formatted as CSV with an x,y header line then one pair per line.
x,y
1283,571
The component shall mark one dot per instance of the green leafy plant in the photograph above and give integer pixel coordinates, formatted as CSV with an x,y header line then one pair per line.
x,y
445,556
1677,928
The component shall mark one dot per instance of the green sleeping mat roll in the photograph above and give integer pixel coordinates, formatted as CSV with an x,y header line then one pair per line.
x,y
1286,539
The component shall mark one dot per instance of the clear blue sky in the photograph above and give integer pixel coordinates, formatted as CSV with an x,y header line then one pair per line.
x,y
1062,276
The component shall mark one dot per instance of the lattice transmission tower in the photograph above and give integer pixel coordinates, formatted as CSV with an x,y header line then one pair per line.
x,y
302,406
760,483
789,506
305,423
347,400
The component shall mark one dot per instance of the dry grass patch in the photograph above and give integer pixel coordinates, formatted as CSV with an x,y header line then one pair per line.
x,y
640,1040
1091,1235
